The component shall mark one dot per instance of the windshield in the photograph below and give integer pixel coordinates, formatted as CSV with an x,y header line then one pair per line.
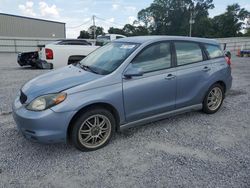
x,y
108,58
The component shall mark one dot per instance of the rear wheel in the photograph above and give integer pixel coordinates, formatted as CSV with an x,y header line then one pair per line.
x,y
93,129
213,99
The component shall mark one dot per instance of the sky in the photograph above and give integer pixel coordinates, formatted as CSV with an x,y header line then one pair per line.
x,y
77,14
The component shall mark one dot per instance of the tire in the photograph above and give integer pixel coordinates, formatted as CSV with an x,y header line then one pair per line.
x,y
93,129
212,103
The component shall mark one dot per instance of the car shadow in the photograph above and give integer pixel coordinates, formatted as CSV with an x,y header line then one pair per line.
x,y
27,68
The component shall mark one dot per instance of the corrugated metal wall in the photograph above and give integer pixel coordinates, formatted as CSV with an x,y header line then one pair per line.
x,y
17,26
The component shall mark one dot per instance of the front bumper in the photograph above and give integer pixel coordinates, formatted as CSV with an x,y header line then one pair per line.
x,y
44,126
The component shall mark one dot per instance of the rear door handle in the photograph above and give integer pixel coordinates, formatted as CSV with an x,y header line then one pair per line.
x,y
170,77
206,69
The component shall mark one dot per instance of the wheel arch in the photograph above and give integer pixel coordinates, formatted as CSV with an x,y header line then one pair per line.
x,y
221,82
103,105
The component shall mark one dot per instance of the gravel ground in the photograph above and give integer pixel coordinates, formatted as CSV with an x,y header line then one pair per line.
x,y
189,150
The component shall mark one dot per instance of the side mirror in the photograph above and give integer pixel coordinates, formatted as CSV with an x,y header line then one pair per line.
x,y
133,71
228,54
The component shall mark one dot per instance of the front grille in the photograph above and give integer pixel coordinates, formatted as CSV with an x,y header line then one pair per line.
x,y
23,98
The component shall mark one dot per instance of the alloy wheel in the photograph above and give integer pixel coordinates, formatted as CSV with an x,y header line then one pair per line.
x,y
214,99
94,131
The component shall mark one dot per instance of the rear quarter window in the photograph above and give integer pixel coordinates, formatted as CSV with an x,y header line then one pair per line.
x,y
213,51
188,52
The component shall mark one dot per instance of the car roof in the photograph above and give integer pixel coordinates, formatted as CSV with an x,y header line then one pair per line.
x,y
144,39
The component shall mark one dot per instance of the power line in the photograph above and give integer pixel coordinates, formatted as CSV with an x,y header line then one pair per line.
x,y
105,20
84,23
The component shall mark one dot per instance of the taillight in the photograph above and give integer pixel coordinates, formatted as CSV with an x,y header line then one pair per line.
x,y
228,60
49,53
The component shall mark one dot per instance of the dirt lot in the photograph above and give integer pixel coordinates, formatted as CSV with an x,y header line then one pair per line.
x,y
189,150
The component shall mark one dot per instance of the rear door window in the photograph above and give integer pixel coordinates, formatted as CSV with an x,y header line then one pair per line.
x,y
213,51
188,52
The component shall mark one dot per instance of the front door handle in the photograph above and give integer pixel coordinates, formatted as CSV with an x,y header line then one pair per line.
x,y
170,77
206,69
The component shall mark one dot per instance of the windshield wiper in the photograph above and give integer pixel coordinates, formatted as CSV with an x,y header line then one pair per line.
x,y
88,68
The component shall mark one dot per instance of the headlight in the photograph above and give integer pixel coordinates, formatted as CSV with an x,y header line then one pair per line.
x,y
46,101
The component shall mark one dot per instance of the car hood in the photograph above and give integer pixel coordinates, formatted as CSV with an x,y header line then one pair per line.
x,y
57,80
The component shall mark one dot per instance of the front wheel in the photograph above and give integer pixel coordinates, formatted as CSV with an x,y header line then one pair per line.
x,y
213,99
93,129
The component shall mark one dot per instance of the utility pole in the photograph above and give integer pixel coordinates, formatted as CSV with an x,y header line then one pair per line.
x,y
94,26
191,22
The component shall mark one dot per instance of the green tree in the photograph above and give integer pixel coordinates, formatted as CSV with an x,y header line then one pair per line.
x,y
230,23
202,26
141,30
171,17
131,30
113,30
84,35
247,34
90,33
98,31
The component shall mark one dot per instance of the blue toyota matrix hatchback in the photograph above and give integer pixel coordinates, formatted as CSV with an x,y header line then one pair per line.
x,y
127,82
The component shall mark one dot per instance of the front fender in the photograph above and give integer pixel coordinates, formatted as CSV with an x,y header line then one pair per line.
x,y
111,95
